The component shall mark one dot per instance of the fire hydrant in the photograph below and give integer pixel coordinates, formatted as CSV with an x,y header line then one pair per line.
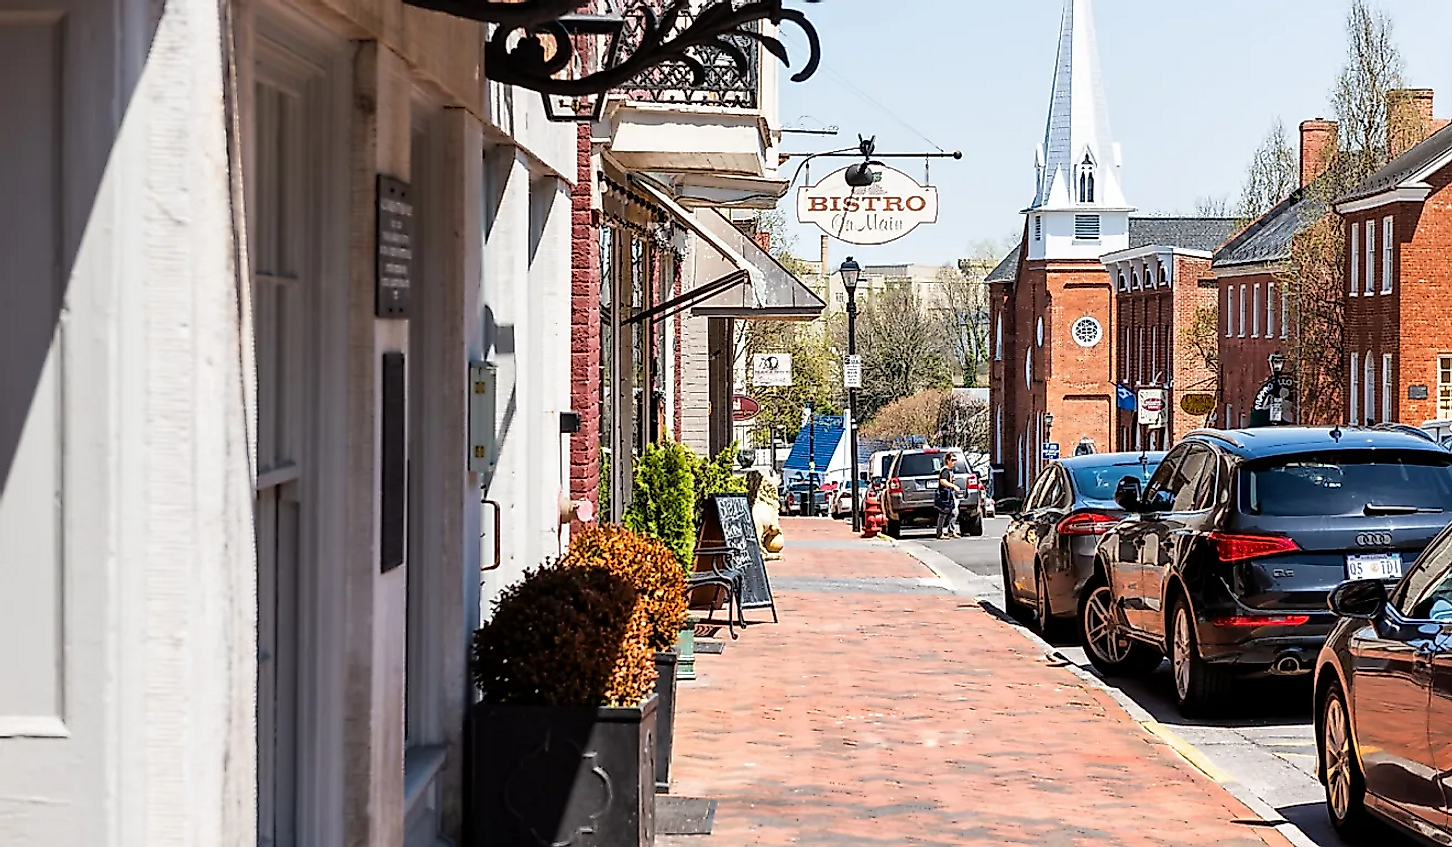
x,y
873,521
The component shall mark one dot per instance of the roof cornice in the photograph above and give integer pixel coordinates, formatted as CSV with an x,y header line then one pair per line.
x,y
1407,192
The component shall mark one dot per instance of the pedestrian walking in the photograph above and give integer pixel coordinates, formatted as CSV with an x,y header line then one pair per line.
x,y
946,498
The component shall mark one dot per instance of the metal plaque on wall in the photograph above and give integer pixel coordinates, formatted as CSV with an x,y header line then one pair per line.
x,y
394,276
1416,392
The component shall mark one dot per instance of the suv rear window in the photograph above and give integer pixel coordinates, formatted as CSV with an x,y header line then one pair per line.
x,y
920,464
1098,483
1346,483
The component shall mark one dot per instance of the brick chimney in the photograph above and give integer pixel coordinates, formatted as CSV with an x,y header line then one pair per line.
x,y
1408,119
1318,144
825,268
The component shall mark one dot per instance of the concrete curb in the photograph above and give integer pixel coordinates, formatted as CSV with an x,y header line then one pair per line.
x,y
943,567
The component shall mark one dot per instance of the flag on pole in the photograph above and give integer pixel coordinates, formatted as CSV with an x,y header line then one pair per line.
x,y
1125,398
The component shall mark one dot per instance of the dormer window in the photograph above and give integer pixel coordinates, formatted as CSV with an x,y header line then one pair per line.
x,y
1086,179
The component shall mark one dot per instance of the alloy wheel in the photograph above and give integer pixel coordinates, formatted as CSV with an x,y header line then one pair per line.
x,y
1183,653
1337,739
1101,627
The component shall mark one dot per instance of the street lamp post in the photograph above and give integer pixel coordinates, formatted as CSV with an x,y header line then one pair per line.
x,y
1048,432
811,504
851,273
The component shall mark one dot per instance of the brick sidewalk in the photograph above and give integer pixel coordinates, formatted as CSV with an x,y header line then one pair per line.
x,y
915,717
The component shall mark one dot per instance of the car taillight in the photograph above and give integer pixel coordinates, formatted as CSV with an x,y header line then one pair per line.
x,y
894,485
1261,620
1232,547
1086,523
973,481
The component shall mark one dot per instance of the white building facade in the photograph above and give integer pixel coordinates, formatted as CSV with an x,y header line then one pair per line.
x,y
241,528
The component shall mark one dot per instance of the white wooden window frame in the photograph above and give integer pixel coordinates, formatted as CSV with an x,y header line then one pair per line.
x,y
1368,376
1444,387
1386,387
1370,257
1355,252
1355,392
1387,244
1270,310
1255,311
1243,288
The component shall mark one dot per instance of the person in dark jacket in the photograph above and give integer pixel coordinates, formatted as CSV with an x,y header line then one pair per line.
x,y
946,498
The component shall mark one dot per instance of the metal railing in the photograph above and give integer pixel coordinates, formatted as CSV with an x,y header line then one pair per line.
x,y
725,84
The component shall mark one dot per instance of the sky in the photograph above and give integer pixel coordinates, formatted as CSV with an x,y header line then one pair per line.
x,y
1193,87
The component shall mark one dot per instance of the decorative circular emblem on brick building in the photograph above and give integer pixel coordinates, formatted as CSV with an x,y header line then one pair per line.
x,y
1087,332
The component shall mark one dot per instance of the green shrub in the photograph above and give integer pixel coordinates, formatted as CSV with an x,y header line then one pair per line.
x,y
714,476
566,637
647,565
663,499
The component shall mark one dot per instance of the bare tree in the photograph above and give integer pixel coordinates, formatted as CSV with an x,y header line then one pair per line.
x,y
1274,173
1202,334
903,347
936,415
1315,277
1359,98
1213,207
965,308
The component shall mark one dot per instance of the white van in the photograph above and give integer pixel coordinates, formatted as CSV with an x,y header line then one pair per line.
x,y
1440,430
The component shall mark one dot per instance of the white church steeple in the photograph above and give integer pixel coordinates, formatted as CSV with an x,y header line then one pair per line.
x,y
1079,210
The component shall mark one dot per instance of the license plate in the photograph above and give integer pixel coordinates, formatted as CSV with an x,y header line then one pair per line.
x,y
1374,566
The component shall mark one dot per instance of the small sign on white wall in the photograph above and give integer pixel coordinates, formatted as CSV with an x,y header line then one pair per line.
x,y
771,370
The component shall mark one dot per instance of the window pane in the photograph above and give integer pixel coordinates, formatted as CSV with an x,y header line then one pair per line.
x,y
1343,483
1099,482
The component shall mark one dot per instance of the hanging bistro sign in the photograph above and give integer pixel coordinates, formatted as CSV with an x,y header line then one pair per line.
x,y
894,205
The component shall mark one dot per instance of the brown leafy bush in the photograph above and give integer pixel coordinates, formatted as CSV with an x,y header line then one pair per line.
x,y
647,565
566,637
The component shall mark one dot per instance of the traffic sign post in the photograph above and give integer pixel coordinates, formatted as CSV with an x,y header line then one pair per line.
x,y
852,372
1051,451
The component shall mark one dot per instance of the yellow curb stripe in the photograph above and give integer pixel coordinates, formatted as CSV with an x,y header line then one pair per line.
x,y
1187,752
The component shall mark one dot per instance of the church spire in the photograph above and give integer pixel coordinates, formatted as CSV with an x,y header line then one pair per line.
x,y
1078,165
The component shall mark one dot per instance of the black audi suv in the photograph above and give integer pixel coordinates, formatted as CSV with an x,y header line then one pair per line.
x,y
1227,555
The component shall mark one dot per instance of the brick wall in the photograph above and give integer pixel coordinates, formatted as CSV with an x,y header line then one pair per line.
x,y
585,328
1071,382
1410,322
1193,291
1243,355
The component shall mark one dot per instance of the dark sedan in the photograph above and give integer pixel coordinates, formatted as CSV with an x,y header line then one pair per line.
x,y
1384,700
1229,553
1048,550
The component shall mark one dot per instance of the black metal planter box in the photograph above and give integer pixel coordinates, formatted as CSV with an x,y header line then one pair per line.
x,y
543,776
665,721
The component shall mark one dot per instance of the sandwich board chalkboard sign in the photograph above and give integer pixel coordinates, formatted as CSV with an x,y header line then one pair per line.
x,y
729,524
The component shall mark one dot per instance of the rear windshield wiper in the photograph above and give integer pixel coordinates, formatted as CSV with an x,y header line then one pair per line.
x,y
1388,509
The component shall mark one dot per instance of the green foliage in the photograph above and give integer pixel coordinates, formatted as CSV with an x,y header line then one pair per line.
x,y
566,637
714,476
663,499
816,373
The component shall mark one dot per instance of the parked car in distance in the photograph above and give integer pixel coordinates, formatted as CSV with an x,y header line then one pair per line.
x,y
912,485
795,499
1383,700
1047,553
1228,554
841,499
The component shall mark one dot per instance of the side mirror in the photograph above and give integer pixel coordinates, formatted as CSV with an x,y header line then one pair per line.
x,y
1363,599
1128,494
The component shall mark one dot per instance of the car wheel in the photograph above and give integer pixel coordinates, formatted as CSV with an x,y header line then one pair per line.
x,y
1200,687
972,525
1050,627
1011,604
1109,647
894,528
1345,786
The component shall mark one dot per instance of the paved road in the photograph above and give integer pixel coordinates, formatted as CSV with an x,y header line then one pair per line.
x,y
1268,746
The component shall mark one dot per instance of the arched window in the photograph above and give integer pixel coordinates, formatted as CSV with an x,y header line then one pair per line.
x,y
1086,179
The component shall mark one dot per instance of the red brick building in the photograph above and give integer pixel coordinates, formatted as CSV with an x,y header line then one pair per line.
x,y
1160,281
1052,301
1250,272
1398,227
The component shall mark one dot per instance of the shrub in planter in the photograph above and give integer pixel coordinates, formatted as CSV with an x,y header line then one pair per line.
x,y
715,476
663,499
660,584
562,750
645,564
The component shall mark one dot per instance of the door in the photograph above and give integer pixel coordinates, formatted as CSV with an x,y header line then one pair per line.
x,y
1392,663
1052,506
1138,541
1426,597
62,99
1018,542
1188,492
280,291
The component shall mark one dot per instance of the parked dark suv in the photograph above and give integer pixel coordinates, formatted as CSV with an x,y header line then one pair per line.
x,y
1228,554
